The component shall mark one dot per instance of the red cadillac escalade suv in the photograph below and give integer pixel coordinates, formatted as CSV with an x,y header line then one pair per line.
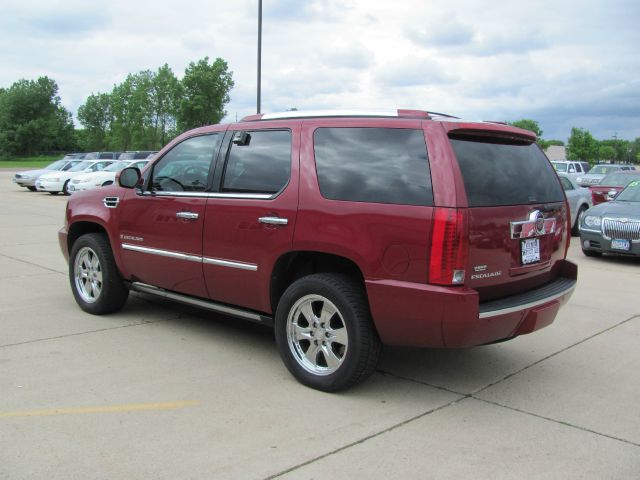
x,y
344,231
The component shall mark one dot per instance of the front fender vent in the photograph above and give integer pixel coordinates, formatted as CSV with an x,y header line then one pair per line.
x,y
111,202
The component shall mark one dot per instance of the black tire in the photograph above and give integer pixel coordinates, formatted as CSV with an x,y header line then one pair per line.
x,y
344,350
32,189
575,231
65,188
591,253
54,193
95,281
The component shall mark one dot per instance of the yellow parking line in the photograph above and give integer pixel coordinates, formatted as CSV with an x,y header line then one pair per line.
x,y
134,407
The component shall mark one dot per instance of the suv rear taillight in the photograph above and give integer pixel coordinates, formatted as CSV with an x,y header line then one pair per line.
x,y
449,247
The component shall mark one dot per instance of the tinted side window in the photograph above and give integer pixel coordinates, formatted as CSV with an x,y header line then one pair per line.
x,y
260,164
380,165
186,167
497,173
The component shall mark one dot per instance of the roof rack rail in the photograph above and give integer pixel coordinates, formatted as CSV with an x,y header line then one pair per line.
x,y
404,113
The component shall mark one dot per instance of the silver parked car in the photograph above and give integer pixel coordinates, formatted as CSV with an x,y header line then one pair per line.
x,y
613,227
28,178
579,199
598,172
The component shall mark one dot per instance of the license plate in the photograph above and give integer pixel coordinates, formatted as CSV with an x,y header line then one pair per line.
x,y
530,249
620,245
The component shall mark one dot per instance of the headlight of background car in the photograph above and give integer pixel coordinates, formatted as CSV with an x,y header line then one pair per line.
x,y
591,221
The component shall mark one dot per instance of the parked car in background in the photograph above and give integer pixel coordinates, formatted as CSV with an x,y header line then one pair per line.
x,y
102,156
342,230
611,185
613,227
579,199
137,155
102,178
28,178
57,182
598,172
573,169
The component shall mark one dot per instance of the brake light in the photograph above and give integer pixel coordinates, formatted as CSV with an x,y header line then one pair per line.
x,y
449,247
566,213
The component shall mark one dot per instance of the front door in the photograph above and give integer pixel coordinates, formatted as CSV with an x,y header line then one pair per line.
x,y
161,227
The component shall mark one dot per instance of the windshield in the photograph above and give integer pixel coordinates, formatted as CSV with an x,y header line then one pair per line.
x,y
91,156
631,193
57,165
603,169
617,179
126,156
80,166
114,167
560,167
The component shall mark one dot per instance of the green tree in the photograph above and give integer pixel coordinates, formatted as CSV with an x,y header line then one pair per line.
x,y
131,127
544,144
32,119
165,99
582,145
96,116
606,152
528,124
205,92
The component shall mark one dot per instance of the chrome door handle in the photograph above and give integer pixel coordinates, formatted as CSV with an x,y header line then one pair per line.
x,y
273,220
187,215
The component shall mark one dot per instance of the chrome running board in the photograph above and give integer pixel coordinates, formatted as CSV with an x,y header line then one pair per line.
x,y
201,303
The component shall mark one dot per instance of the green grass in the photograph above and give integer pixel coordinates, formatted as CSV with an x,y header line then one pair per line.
x,y
29,162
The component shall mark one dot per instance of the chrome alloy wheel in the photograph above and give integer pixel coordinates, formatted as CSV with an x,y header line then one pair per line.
x,y
317,335
88,275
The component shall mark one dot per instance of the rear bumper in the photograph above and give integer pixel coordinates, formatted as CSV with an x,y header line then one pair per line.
x,y
409,314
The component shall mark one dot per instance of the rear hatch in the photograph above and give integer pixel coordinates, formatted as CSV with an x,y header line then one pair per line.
x,y
517,213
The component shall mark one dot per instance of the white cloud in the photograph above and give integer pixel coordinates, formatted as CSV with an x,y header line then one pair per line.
x,y
564,63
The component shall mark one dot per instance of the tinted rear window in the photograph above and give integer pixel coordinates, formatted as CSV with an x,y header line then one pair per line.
x,y
499,173
379,165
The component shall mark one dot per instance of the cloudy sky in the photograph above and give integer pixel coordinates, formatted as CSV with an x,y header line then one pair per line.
x,y
563,63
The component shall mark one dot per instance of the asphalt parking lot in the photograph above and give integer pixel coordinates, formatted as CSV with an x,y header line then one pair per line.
x,y
159,391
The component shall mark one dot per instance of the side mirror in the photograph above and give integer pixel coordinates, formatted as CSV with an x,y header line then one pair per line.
x,y
572,170
129,177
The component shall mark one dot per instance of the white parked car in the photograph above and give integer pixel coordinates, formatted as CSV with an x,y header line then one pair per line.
x,y
104,177
57,182
572,169
28,178
579,199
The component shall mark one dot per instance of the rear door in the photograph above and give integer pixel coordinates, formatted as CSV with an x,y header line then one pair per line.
x,y
251,214
517,213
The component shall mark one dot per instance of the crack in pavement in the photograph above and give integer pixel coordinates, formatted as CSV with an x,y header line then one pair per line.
x,y
464,396
32,264
146,322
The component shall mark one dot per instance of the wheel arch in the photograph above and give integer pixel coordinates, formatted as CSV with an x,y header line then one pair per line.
x,y
292,266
